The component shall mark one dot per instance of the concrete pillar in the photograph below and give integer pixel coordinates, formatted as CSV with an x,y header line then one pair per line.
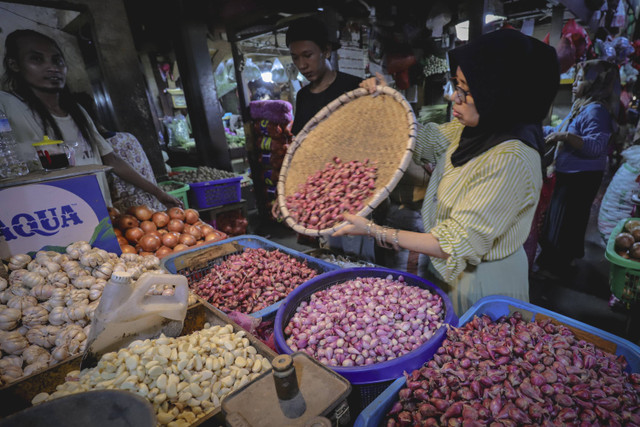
x,y
194,62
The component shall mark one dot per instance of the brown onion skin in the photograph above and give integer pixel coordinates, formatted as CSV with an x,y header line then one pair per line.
x,y
122,240
144,253
194,231
114,214
176,213
128,249
142,212
187,239
212,237
117,232
171,239
163,251
180,247
191,216
150,242
134,234
127,221
148,226
207,229
160,219
176,225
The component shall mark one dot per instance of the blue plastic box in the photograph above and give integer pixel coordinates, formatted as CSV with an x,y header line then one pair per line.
x,y
173,265
208,194
496,306
379,372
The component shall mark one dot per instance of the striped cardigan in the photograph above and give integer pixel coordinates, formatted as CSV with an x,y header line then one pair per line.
x,y
482,210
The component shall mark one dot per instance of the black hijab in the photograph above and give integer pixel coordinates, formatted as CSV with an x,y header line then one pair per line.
x,y
513,78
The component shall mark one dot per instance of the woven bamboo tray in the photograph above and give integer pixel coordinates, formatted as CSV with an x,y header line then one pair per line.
x,y
355,126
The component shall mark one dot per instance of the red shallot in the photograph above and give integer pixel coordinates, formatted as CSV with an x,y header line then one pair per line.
x,y
364,321
340,187
549,377
252,280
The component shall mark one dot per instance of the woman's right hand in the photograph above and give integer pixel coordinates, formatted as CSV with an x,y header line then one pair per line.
x,y
371,83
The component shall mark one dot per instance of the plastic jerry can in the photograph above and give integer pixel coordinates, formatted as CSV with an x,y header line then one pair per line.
x,y
297,392
126,313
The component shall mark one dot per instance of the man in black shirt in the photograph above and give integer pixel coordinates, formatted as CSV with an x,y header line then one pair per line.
x,y
310,47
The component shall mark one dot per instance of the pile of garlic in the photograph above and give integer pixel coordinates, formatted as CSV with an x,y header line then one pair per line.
x,y
47,304
184,378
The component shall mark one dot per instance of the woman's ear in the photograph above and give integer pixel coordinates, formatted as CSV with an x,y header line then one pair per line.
x,y
13,65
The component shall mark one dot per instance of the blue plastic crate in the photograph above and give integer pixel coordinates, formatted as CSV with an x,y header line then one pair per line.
x,y
209,194
378,372
173,264
496,306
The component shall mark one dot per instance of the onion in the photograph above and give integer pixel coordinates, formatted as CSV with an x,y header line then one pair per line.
x,y
127,221
212,237
191,216
170,239
148,226
194,231
160,219
180,247
163,251
134,234
128,249
122,240
176,213
145,253
187,239
176,225
142,212
117,232
113,214
207,229
150,242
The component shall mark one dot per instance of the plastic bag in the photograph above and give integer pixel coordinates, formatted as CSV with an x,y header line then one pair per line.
x,y
251,71
247,322
278,73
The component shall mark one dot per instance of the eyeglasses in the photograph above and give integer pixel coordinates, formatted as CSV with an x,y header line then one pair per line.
x,y
461,93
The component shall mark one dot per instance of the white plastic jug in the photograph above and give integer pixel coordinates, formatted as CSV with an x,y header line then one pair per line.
x,y
126,313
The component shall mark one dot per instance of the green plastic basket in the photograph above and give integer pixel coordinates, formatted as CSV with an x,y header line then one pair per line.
x,y
180,193
183,169
624,274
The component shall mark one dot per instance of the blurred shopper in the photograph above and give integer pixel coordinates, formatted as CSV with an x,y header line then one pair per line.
x,y
581,158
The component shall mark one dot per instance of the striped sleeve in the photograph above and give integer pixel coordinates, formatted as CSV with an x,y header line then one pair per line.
x,y
433,139
498,196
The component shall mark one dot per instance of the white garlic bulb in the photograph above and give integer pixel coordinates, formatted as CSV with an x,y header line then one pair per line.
x,y
15,277
22,302
42,292
9,318
3,283
13,342
83,282
34,352
58,279
36,315
19,261
57,316
32,278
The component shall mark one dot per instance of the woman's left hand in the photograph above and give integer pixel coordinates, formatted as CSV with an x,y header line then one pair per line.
x,y
169,201
555,137
356,226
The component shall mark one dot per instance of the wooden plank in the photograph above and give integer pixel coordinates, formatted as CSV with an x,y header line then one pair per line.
x,y
201,258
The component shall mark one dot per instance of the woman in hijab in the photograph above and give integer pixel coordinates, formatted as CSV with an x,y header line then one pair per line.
x,y
581,157
484,190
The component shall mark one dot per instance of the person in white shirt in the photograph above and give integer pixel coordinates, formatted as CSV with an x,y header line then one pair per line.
x,y
37,102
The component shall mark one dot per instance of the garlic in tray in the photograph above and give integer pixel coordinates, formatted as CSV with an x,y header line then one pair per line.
x,y
48,301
